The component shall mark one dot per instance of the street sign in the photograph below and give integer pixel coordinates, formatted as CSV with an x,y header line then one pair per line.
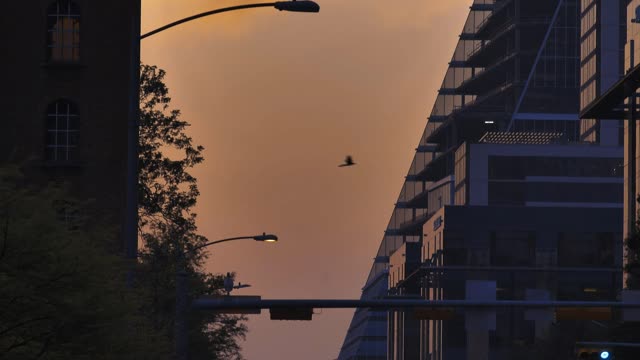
x,y
291,313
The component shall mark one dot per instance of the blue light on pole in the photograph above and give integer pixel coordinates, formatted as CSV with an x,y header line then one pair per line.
x,y
604,355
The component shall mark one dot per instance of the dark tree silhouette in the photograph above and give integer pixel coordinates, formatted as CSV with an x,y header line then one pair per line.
x,y
168,194
62,293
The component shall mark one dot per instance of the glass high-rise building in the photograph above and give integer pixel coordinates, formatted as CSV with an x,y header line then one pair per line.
x,y
511,95
613,98
602,38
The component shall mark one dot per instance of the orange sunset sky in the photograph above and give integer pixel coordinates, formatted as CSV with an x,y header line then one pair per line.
x,y
278,99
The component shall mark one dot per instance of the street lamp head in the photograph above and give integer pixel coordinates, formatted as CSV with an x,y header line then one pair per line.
x,y
298,6
266,237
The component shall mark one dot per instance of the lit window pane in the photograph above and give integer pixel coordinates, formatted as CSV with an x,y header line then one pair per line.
x,y
63,24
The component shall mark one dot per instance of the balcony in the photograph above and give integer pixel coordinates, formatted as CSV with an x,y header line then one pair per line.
x,y
499,16
412,227
418,201
469,119
484,54
436,169
503,42
491,77
434,123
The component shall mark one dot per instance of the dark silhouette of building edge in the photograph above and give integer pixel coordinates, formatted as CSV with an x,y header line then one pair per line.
x,y
67,74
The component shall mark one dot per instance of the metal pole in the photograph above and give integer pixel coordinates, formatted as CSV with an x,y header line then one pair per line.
x,y
631,166
131,209
631,154
607,344
231,302
224,240
207,13
180,322
300,6
181,327
632,142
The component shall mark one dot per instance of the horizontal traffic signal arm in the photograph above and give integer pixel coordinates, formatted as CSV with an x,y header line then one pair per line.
x,y
217,304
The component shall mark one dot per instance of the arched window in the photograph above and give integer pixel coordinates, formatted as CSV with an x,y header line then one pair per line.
x,y
62,131
63,27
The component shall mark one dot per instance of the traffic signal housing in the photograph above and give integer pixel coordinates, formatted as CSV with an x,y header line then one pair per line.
x,y
291,313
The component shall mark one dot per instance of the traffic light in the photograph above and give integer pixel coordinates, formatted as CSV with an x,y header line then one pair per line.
x,y
291,313
594,354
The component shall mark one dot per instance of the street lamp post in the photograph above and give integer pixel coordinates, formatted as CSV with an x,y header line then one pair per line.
x,y
181,308
131,210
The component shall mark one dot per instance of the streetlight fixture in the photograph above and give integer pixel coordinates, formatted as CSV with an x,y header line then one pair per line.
x,y
266,238
297,6
180,323
131,209
293,6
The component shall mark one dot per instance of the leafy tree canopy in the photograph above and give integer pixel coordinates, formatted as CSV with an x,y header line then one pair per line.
x,y
63,294
168,195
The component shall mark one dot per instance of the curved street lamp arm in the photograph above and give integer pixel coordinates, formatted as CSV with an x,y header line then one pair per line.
x,y
197,16
223,240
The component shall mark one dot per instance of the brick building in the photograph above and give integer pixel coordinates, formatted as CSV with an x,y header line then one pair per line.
x,y
67,74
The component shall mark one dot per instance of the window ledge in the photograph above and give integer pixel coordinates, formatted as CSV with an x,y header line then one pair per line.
x,y
63,65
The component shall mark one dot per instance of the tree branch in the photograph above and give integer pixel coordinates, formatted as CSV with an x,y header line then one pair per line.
x,y
23,323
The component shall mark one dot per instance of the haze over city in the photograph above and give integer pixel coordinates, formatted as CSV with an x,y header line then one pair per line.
x,y
278,100
321,180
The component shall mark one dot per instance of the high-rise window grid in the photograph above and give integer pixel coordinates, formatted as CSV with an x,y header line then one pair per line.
x,y
588,66
632,51
63,31
62,125
559,61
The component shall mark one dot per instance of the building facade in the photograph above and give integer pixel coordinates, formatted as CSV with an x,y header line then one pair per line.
x,y
516,70
602,40
613,102
539,221
403,328
631,143
526,254
68,71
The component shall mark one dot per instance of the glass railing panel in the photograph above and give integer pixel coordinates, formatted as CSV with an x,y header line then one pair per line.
x,y
475,19
449,79
431,128
404,195
420,160
412,169
410,189
423,138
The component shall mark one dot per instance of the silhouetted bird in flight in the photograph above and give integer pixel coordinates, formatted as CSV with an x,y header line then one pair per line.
x,y
348,161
